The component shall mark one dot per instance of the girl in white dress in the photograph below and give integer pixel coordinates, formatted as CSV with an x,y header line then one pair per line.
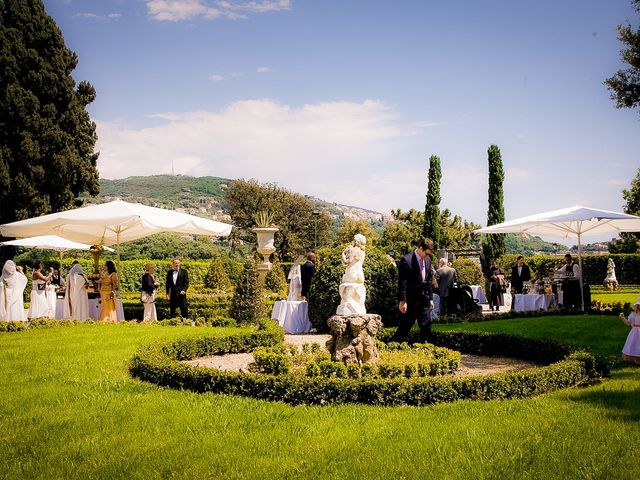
x,y
13,282
631,349
76,300
39,305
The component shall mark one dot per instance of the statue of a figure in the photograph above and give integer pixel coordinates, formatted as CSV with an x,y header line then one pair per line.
x,y
610,280
352,290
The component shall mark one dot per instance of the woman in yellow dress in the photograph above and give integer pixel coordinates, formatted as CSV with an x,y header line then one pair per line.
x,y
109,287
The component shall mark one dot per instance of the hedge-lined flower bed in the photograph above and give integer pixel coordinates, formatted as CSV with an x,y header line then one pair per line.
x,y
160,363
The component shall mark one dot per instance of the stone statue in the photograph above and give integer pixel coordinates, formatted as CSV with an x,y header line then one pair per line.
x,y
352,289
610,280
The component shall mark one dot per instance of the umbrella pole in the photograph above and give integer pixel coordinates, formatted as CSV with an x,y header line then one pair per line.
x,y
580,263
118,249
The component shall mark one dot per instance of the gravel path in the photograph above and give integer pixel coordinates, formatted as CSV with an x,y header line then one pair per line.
x,y
470,365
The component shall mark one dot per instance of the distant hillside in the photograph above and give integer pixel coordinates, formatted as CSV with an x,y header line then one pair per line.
x,y
205,196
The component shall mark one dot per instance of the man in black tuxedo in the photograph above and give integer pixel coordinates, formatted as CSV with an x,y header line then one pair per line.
x,y
177,284
520,273
306,273
415,295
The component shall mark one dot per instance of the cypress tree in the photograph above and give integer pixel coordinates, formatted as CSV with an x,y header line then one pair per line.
x,y
248,305
431,228
47,138
494,244
216,277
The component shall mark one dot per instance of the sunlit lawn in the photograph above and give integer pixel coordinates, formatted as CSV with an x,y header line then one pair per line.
x,y
69,409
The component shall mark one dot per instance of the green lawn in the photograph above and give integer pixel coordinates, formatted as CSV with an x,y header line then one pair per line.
x,y
69,409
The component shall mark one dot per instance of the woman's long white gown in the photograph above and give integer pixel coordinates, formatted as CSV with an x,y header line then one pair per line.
x,y
76,300
14,297
39,306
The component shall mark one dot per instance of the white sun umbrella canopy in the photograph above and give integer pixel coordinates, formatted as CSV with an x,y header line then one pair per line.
x,y
571,222
50,242
113,223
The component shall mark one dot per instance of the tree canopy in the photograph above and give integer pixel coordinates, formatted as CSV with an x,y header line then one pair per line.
x,y
301,225
629,242
431,228
625,83
47,138
494,246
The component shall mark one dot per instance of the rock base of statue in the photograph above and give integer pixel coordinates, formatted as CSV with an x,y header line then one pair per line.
x,y
353,338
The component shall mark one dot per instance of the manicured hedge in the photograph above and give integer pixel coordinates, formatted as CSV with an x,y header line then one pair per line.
x,y
160,363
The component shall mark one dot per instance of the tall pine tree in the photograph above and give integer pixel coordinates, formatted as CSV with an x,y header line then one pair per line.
x,y
47,138
494,244
431,228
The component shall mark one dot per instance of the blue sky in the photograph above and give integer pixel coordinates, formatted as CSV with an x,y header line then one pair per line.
x,y
346,100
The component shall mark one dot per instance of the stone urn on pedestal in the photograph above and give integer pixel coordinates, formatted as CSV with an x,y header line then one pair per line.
x,y
265,232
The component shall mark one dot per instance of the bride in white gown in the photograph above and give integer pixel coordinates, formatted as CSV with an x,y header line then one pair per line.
x,y
13,283
76,300
39,306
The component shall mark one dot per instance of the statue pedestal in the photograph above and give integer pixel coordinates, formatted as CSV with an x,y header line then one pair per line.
x,y
353,338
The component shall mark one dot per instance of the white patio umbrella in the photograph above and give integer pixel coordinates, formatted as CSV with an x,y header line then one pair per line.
x,y
571,222
113,223
50,242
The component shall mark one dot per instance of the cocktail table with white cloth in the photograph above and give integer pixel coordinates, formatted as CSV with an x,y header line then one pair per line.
x,y
292,315
478,293
533,302
94,308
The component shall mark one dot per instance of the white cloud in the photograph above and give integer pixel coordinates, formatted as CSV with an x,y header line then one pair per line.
x,y
216,77
338,151
264,69
94,16
177,10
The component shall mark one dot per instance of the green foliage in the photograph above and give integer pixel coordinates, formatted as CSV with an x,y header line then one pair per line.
x,y
494,244
167,246
468,272
263,219
216,277
248,303
292,212
381,280
629,242
47,138
352,227
275,281
625,84
336,383
270,361
431,228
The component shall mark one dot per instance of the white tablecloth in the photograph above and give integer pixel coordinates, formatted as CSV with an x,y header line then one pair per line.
x,y
293,316
531,301
94,308
478,293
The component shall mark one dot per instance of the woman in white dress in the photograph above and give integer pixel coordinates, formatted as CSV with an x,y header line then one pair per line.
x,y
39,306
631,349
76,300
295,280
13,281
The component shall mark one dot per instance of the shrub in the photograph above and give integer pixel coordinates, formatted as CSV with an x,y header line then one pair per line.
x,y
216,277
334,383
248,304
468,272
381,281
275,280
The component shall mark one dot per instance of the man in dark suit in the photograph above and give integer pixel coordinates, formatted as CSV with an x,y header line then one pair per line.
x,y
520,273
415,295
177,284
306,273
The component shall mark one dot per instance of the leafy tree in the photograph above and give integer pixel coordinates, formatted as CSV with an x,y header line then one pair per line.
x,y
170,245
494,245
248,304
431,228
216,277
625,84
457,233
274,280
629,242
292,213
351,227
47,138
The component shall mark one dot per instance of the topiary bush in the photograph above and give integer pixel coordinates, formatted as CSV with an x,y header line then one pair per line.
x,y
381,281
216,278
160,363
468,272
248,303
275,281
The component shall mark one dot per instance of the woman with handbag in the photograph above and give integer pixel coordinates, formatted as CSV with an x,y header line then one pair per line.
x,y
148,295
497,287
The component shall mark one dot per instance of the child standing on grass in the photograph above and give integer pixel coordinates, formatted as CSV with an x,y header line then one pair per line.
x,y
631,349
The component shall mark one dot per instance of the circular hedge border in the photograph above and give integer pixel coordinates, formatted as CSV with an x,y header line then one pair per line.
x,y
160,363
